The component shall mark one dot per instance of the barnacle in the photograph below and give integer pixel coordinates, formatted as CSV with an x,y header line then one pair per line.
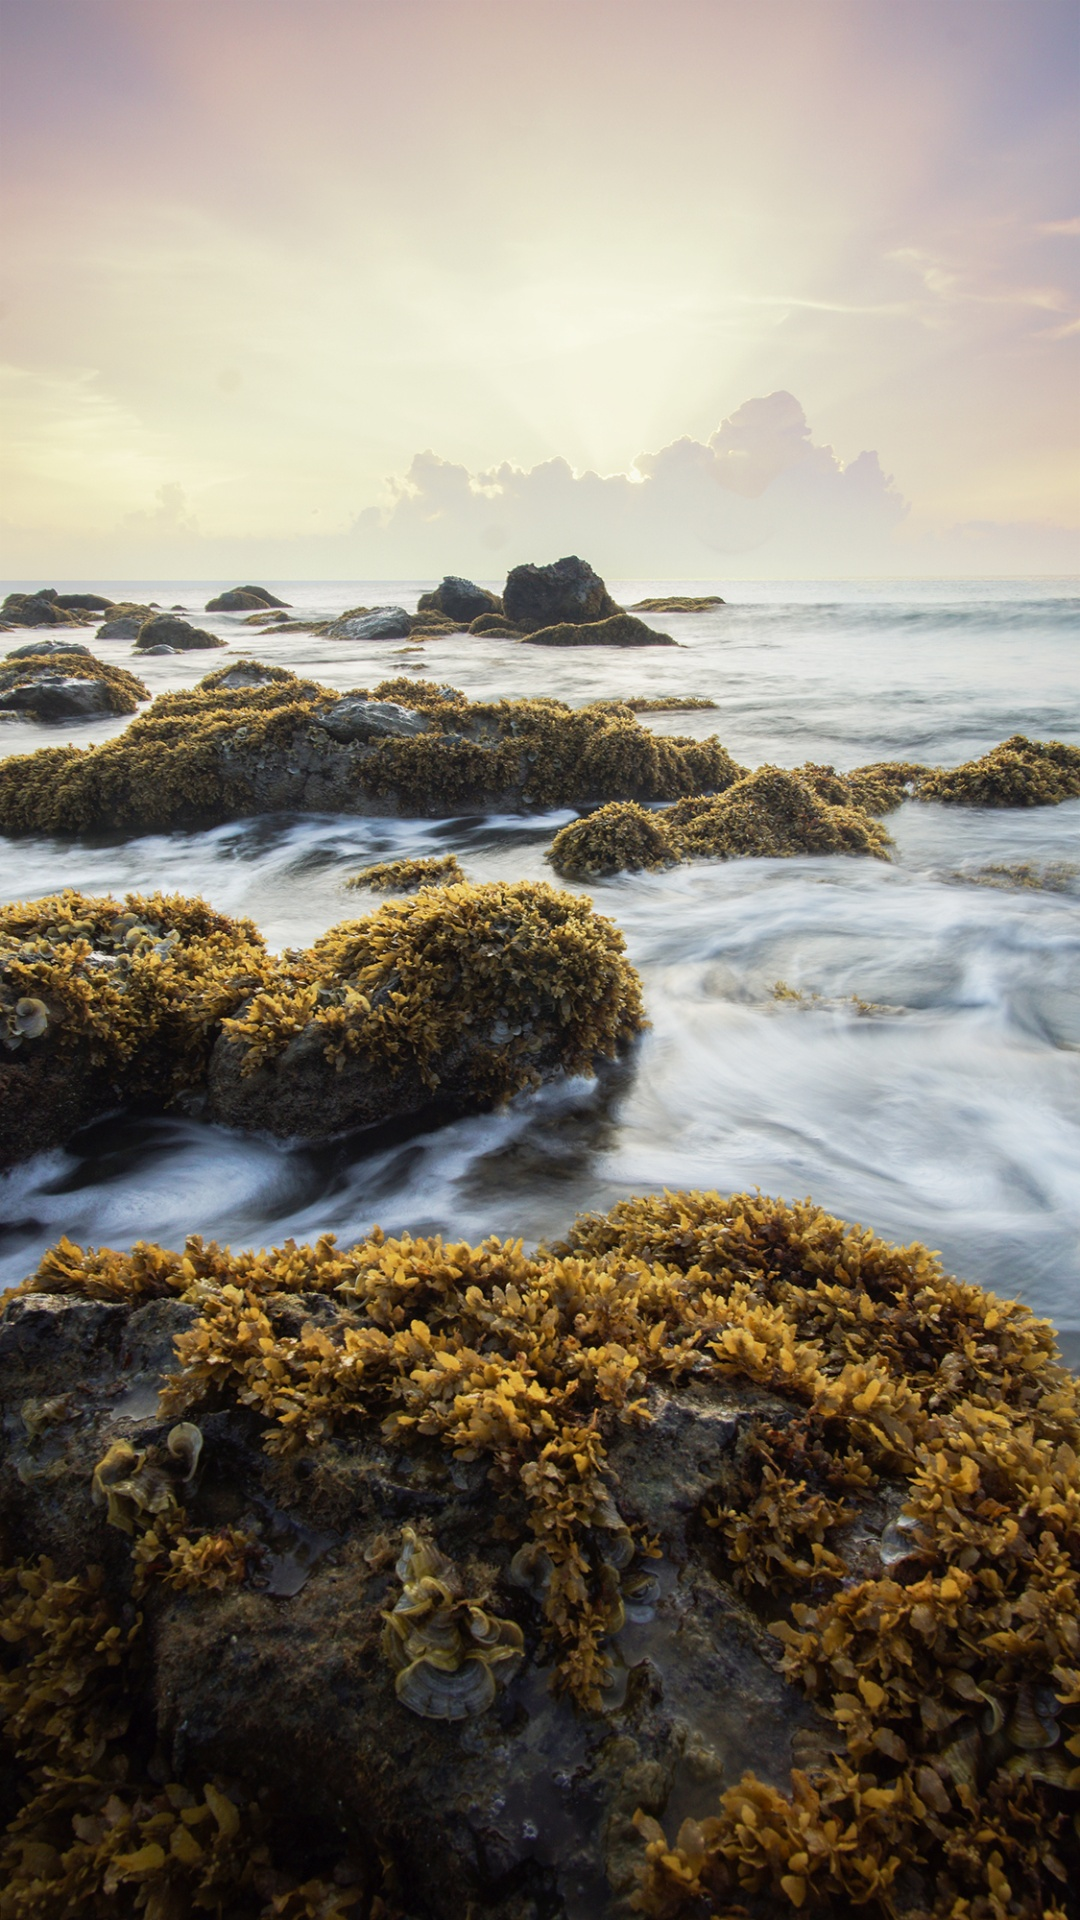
x,y
447,1651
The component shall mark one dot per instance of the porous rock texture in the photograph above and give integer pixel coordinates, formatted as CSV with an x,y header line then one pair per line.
x,y
566,591
253,739
243,599
459,599
166,630
733,1550
456,999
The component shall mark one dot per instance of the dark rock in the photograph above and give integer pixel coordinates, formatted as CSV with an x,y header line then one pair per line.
x,y
44,649
496,624
243,599
37,610
165,630
355,718
126,626
459,599
567,590
85,602
382,623
618,630
247,673
160,649
49,696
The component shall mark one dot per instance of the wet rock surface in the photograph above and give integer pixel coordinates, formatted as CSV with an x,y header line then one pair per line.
x,y
57,684
44,649
167,630
360,719
566,591
381,623
243,599
459,599
616,630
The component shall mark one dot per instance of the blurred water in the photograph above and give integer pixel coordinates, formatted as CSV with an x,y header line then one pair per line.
x,y
928,1083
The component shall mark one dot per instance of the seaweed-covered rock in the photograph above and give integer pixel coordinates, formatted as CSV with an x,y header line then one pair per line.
x,y
771,813
375,623
1018,773
54,685
459,599
166,630
229,747
243,599
102,1001
44,649
358,718
619,838
678,603
41,609
720,1558
124,626
566,591
84,602
495,624
407,876
616,630
463,995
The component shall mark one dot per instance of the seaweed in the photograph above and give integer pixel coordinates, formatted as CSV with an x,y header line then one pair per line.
x,y
123,690
405,876
619,838
1018,773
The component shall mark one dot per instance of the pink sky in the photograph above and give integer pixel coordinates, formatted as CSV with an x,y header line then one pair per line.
x,y
260,253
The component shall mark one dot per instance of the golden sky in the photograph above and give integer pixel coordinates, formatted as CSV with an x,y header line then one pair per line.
x,y
261,253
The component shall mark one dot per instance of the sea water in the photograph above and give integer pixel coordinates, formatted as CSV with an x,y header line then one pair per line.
x,y
901,1041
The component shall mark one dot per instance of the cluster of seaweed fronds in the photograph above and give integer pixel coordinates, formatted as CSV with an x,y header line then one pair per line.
x,y
770,813
200,755
667,703
138,985
1018,773
92,1832
123,690
405,876
915,1515
516,968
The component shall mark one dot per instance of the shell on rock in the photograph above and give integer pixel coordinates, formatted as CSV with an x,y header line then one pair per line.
x,y
31,1018
1027,1727
438,1693
532,1568
185,1444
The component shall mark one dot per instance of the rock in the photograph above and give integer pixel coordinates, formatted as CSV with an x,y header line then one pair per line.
x,y
49,696
44,649
165,630
355,718
126,626
617,630
84,602
162,649
494,623
38,610
678,603
567,590
242,599
382,623
459,599
247,673
628,1504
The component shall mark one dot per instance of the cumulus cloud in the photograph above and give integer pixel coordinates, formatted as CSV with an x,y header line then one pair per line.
x,y
758,492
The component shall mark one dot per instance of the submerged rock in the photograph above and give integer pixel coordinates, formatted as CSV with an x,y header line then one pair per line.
x,y
655,1572
52,683
460,600
166,630
678,603
376,623
618,630
566,591
229,747
242,599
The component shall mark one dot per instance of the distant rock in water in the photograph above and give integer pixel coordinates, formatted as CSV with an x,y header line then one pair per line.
x,y
370,623
40,609
618,630
166,630
59,684
243,600
567,591
678,603
44,650
124,621
459,599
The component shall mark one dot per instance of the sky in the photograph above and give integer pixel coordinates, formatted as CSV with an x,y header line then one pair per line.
x,y
347,288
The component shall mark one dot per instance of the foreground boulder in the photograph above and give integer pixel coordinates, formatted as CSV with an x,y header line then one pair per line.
x,y
566,591
53,684
243,599
254,739
722,1559
617,630
460,600
458,998
165,630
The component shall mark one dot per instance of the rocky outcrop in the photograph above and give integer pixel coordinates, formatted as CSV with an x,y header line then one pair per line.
x,y
567,591
458,999
678,603
84,602
370,623
653,1573
460,600
45,649
179,636
125,621
58,685
40,609
618,630
243,600
252,739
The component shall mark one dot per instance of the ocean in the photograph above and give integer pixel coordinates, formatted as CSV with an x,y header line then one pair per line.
x,y
901,1041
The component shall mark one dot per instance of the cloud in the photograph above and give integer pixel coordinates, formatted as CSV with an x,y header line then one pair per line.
x,y
759,491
